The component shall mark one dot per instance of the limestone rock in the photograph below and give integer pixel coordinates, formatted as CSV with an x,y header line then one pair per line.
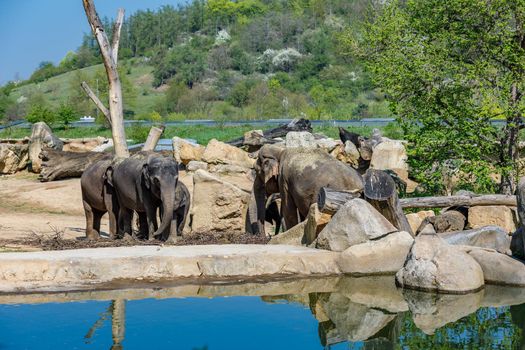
x,y
498,215
300,139
227,169
217,152
378,257
415,219
498,268
492,237
434,265
449,221
327,143
41,136
293,236
185,152
13,158
347,153
84,145
103,147
217,204
356,222
428,229
315,222
389,154
195,165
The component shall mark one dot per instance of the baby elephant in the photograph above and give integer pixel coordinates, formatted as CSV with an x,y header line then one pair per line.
x,y
181,207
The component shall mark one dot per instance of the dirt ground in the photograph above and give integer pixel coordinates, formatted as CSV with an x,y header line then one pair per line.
x,y
50,216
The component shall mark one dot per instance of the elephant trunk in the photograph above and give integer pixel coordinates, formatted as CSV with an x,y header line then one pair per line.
x,y
168,199
257,208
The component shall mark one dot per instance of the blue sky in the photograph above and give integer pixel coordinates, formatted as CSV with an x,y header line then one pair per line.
x,y
45,30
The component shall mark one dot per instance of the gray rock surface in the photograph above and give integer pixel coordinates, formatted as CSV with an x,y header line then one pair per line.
x,y
354,223
493,237
434,265
498,268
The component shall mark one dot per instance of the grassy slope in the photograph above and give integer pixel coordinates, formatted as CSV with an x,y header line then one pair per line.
x,y
57,89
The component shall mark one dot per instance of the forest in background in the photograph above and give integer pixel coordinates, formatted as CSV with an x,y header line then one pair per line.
x,y
216,59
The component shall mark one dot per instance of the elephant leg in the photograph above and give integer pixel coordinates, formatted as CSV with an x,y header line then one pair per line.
x,y
143,226
91,233
181,221
151,215
97,217
125,216
288,211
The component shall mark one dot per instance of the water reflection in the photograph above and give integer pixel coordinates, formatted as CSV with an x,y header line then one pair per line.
x,y
361,313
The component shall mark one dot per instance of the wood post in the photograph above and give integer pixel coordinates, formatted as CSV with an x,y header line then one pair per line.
x,y
153,138
109,54
380,191
329,201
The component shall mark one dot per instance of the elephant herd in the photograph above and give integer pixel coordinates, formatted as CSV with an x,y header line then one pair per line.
x,y
147,184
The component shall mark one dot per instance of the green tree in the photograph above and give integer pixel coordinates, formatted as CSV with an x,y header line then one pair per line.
x,y
448,68
41,113
66,114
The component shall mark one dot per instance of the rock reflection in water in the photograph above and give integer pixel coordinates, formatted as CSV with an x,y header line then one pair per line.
x,y
371,313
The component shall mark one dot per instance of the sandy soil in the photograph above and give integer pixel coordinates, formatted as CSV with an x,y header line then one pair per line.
x,y
29,207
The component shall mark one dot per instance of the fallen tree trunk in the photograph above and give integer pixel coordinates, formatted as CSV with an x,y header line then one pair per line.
x,y
153,138
380,191
465,200
450,201
58,165
329,200
280,131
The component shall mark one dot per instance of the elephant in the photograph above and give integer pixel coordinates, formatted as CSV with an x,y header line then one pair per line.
x,y
98,198
273,215
145,182
297,174
181,207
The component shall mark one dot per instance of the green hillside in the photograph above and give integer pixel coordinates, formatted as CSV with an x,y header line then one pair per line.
x,y
218,59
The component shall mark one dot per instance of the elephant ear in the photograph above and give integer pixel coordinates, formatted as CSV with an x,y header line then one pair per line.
x,y
108,176
270,169
145,174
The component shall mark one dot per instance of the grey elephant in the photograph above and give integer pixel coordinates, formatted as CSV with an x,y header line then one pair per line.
x,y
181,207
144,183
98,198
297,174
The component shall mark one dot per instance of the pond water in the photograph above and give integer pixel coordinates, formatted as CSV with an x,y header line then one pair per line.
x,y
344,318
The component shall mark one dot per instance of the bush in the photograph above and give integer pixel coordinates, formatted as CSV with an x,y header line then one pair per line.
x,y
41,113
66,114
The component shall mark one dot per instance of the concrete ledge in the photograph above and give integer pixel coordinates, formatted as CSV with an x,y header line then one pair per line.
x,y
87,268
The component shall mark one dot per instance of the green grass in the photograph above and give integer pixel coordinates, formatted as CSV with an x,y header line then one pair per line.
x,y
202,134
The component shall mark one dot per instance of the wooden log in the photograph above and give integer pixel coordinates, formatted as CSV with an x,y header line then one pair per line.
x,y
280,131
58,165
153,138
41,137
329,201
463,200
380,191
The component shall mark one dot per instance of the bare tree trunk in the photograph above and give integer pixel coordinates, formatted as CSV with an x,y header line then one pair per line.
x,y
109,56
97,101
153,138
509,153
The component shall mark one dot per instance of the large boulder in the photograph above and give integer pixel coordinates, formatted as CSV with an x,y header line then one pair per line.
x,y
517,243
41,136
185,151
13,157
217,152
355,222
315,223
302,139
493,237
498,268
293,236
216,204
434,265
415,219
383,256
390,154
498,215
449,221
